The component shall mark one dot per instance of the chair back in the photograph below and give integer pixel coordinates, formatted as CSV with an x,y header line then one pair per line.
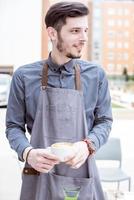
x,y
110,151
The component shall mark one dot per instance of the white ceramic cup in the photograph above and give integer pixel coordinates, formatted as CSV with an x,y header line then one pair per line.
x,y
62,150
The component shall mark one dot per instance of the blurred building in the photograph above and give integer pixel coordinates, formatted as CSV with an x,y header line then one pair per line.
x,y
113,35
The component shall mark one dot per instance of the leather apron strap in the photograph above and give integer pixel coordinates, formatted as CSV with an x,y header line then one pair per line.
x,y
77,78
44,80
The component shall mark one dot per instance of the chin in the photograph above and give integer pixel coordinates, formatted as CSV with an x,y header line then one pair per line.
x,y
73,56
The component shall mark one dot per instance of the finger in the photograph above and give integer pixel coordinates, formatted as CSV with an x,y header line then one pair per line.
x,y
47,155
78,165
42,165
51,162
44,168
47,161
75,160
69,158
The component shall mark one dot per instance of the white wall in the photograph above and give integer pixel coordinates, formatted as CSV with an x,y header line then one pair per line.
x,y
20,31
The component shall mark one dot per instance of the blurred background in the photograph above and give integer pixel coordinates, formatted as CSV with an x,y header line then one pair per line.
x,y
23,39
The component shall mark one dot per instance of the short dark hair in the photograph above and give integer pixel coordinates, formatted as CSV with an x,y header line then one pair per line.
x,y
58,12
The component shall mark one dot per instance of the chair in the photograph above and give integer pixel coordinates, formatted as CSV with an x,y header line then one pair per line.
x,y
111,151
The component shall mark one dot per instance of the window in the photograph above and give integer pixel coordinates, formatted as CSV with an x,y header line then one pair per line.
x,y
111,22
96,44
119,22
111,45
120,34
126,23
111,33
110,66
126,45
119,66
126,11
126,56
119,56
111,11
120,11
96,55
119,45
126,34
111,56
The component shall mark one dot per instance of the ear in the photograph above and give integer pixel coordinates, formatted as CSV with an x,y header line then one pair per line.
x,y
52,33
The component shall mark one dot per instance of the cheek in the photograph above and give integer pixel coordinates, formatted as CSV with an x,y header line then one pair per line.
x,y
69,40
67,44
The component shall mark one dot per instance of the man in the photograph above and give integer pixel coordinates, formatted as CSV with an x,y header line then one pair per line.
x,y
61,99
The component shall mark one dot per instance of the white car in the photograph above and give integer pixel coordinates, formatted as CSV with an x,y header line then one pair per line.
x,y
5,81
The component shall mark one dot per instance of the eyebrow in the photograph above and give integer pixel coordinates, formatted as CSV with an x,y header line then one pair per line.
x,y
79,27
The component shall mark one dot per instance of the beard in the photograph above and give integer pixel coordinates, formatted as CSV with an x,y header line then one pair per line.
x,y
72,56
62,49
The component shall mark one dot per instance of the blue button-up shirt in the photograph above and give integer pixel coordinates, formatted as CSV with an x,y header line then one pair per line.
x,y
25,90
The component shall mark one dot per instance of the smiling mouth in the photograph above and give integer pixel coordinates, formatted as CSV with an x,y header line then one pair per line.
x,y
79,47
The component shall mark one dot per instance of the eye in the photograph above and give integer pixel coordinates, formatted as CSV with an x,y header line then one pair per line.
x,y
75,31
86,30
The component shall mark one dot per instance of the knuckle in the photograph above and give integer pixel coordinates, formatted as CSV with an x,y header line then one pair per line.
x,y
37,159
38,165
51,163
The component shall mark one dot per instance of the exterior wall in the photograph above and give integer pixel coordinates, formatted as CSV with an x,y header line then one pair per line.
x,y
20,35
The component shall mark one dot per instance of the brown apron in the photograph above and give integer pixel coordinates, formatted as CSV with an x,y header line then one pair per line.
x,y
61,117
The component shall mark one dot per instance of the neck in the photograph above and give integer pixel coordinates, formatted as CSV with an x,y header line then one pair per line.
x,y
59,59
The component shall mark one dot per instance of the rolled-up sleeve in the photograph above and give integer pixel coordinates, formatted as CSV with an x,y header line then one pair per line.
x,y
15,116
103,114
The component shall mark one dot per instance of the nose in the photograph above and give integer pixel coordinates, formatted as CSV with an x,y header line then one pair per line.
x,y
84,36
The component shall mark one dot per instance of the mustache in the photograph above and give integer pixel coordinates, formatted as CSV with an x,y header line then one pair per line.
x,y
79,44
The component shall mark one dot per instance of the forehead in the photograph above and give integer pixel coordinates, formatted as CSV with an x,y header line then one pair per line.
x,y
80,22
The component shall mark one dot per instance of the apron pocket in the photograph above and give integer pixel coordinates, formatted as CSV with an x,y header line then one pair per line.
x,y
68,188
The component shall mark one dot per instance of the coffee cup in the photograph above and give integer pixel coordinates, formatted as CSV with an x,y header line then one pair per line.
x,y
62,150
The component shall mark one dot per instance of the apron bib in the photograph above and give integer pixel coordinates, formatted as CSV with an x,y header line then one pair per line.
x,y
60,117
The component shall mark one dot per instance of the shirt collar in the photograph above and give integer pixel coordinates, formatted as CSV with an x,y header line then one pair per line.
x,y
69,66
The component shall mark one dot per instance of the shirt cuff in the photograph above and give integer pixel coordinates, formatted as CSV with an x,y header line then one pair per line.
x,y
94,141
21,151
